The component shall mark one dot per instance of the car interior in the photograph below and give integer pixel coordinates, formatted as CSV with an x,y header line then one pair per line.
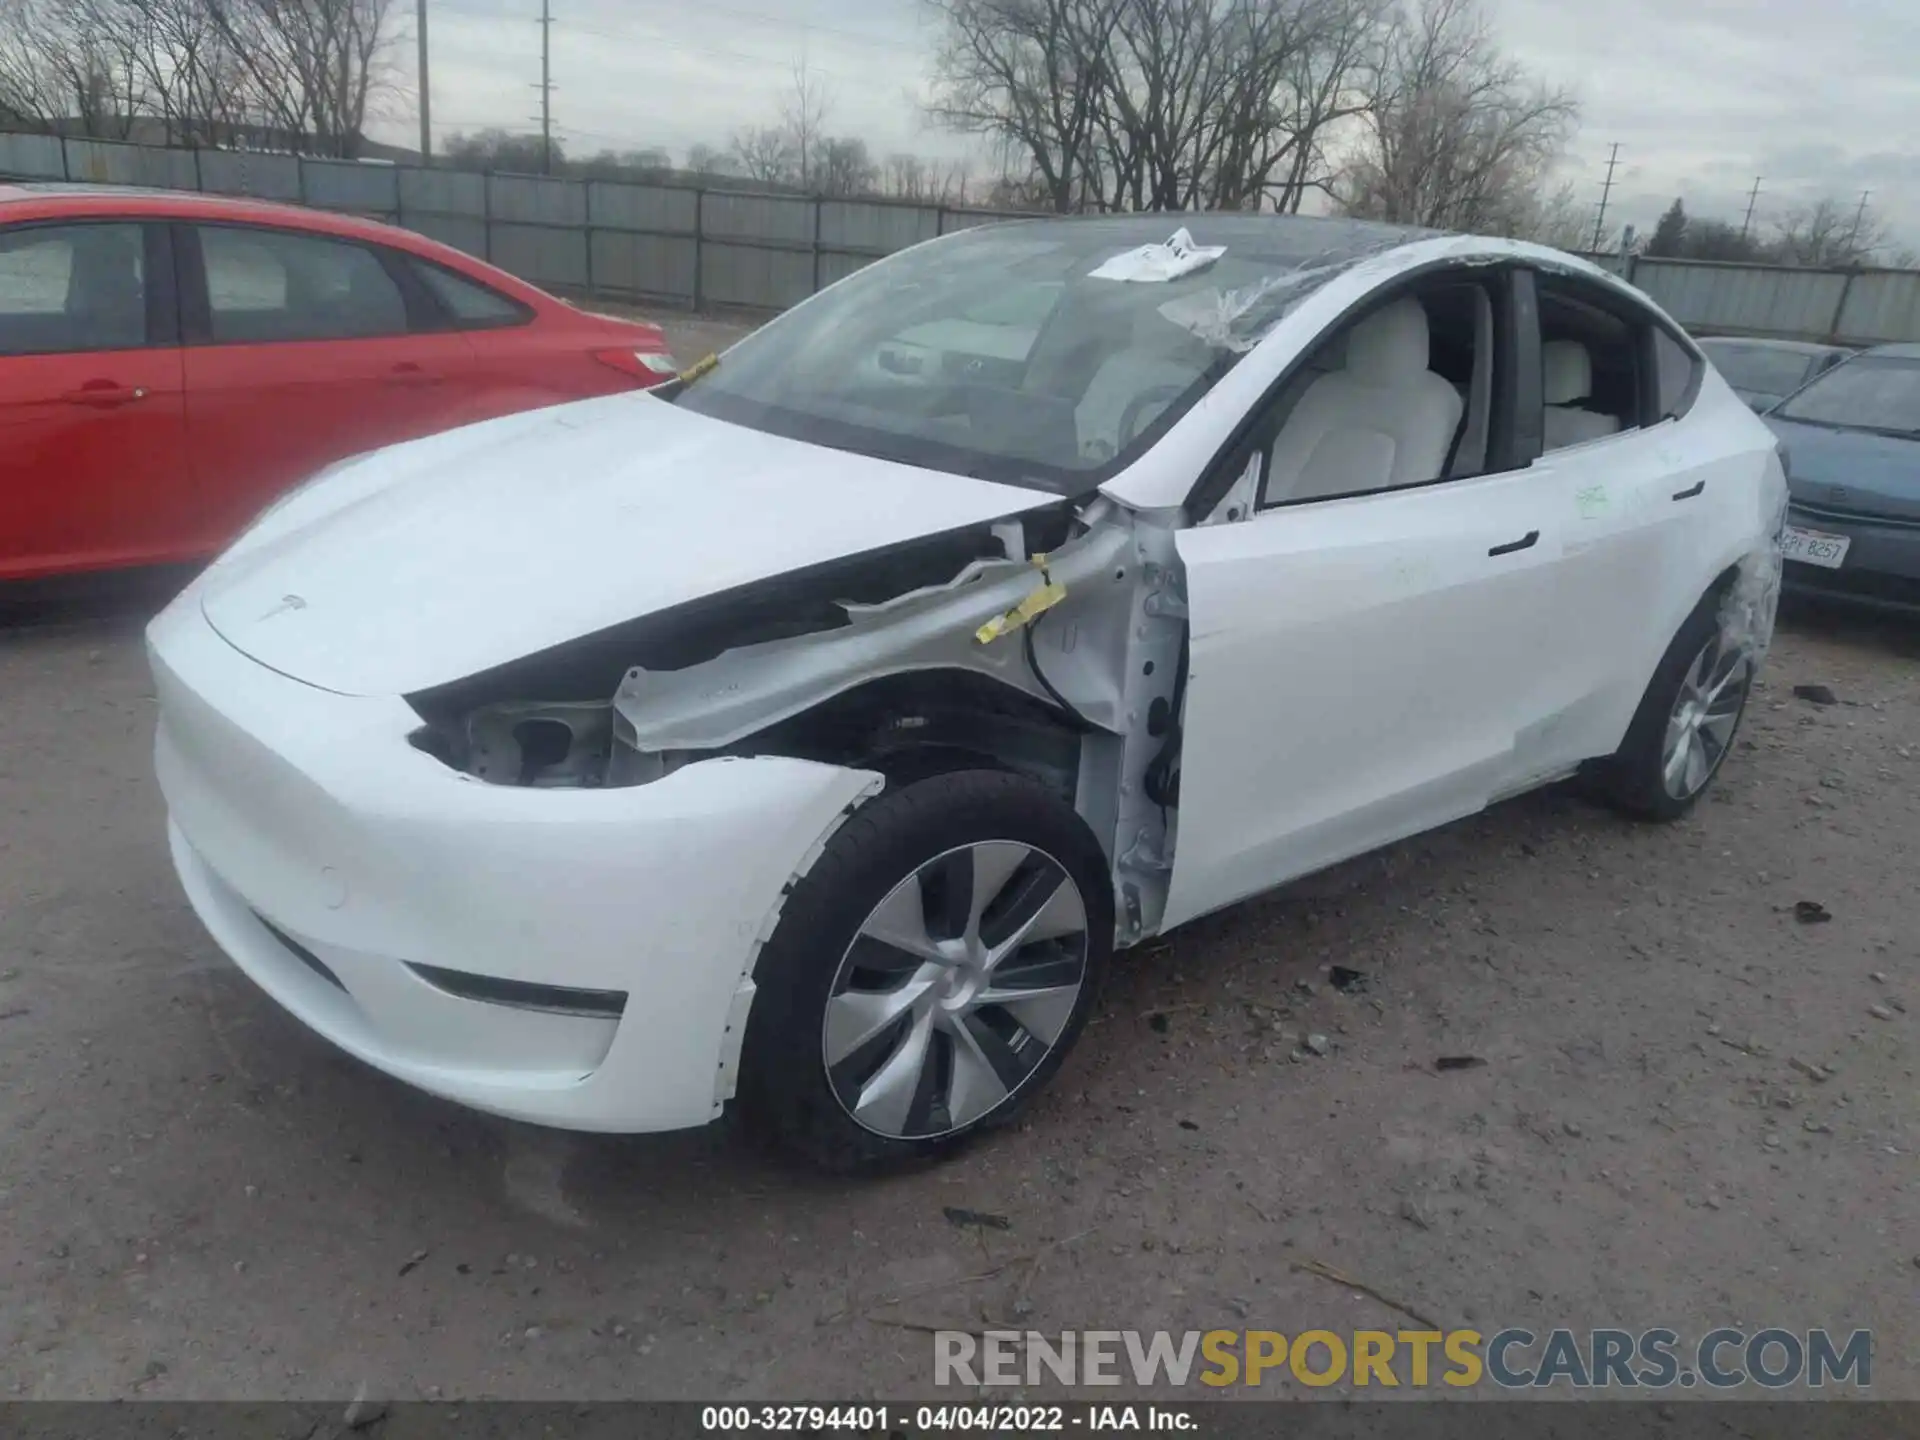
x,y
1590,370
1401,397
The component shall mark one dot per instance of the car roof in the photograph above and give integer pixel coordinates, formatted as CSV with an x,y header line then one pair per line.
x,y
1897,352
58,197
1265,236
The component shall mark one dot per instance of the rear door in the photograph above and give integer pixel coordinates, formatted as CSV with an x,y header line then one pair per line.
x,y
1359,667
1637,510
304,349
92,454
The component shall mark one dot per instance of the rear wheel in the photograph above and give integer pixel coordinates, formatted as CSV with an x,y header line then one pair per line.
x,y
1686,722
929,974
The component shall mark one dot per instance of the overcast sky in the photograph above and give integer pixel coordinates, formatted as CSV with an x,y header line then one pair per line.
x,y
1819,97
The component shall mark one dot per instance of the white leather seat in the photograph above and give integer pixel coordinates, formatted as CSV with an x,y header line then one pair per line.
x,y
1568,377
1382,421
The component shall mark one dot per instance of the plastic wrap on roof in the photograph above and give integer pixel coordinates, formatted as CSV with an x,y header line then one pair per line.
x,y
1239,319
1157,264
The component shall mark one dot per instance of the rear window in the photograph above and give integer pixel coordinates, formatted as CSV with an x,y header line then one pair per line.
x,y
1679,373
471,305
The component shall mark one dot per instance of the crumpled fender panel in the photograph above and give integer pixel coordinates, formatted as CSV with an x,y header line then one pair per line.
x,y
801,602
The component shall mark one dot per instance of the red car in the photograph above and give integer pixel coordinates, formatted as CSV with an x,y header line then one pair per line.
x,y
169,363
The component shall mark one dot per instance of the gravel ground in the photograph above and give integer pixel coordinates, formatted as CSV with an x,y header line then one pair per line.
x,y
202,1200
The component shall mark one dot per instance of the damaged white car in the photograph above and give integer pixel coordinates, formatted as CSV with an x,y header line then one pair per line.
x,y
806,735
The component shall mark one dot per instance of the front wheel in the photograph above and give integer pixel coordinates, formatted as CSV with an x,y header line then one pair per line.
x,y
1686,722
929,973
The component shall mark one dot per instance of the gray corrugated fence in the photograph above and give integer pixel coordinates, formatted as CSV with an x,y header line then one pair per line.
x,y
1851,306
695,247
677,244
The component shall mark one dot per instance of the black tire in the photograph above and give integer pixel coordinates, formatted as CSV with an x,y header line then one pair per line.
x,y
1633,779
785,1092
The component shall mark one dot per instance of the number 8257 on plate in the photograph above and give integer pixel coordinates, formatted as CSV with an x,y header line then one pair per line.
x,y
1815,547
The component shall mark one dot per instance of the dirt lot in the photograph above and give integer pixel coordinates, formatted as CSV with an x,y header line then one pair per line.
x,y
202,1200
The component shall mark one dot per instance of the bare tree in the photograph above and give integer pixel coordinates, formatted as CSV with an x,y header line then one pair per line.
x,y
704,159
1828,233
58,72
1027,74
765,153
313,65
497,149
1458,136
1156,104
930,182
805,118
844,168
187,73
1554,217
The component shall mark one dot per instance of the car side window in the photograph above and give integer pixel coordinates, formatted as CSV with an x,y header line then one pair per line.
x,y
1680,372
269,286
470,305
71,288
1401,396
1607,366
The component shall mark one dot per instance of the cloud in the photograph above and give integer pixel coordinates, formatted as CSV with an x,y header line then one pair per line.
x,y
1705,95
1702,95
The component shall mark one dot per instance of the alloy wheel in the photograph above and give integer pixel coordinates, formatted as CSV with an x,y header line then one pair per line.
x,y
955,990
1704,715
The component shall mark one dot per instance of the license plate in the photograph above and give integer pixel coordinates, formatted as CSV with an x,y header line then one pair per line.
x,y
1816,547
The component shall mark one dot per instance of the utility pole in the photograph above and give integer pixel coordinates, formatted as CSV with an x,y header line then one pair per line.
x,y
1753,195
426,95
1600,220
1859,219
546,87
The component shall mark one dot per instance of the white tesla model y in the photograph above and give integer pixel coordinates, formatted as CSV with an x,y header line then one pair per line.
x,y
806,735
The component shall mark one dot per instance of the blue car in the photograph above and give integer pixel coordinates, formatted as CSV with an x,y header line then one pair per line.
x,y
1852,442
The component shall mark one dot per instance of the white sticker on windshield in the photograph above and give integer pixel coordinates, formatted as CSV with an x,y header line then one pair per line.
x,y
1156,264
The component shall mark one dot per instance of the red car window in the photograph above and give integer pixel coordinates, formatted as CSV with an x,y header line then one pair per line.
x,y
471,305
271,286
71,288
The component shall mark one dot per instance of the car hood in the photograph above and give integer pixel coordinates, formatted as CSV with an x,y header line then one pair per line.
x,y
424,564
1851,470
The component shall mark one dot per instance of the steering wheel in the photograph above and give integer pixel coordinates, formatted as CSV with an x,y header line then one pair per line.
x,y
1132,417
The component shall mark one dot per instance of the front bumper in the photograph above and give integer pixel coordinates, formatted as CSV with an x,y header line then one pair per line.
x,y
1882,568
600,943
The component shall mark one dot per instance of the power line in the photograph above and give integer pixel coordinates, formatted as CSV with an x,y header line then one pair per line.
x,y
655,42
810,27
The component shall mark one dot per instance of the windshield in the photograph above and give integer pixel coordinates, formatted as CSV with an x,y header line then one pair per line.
x,y
1762,368
994,353
1880,394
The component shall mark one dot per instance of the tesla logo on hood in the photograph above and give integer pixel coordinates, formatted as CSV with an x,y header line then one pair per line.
x,y
288,602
